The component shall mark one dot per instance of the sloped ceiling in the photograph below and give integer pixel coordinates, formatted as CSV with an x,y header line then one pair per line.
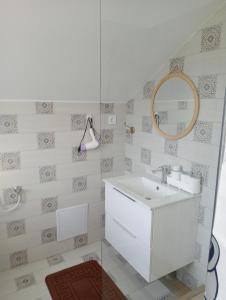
x,y
51,50
138,37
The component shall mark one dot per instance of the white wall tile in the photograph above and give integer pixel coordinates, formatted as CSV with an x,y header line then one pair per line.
x,y
77,169
44,122
25,177
13,107
205,63
35,159
20,242
18,142
30,123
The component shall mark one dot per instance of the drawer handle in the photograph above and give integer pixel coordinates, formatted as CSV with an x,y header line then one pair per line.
x,y
124,228
125,195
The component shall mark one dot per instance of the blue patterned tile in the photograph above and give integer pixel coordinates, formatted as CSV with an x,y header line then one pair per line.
x,y
15,228
49,204
177,64
25,281
47,174
78,122
8,124
78,156
107,108
171,147
55,259
207,86
48,235
211,38
11,161
80,241
148,89
203,132
44,107
146,156
18,258
79,184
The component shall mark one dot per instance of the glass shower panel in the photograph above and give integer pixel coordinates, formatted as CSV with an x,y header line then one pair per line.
x,y
134,57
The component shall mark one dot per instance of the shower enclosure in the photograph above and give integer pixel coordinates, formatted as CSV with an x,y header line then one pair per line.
x,y
134,57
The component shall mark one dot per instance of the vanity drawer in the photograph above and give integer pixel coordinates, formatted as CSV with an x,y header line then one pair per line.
x,y
129,246
133,216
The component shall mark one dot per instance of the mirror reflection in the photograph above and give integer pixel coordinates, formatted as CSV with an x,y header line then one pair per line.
x,y
174,106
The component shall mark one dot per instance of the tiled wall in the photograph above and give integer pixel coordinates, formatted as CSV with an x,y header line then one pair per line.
x,y
38,147
203,58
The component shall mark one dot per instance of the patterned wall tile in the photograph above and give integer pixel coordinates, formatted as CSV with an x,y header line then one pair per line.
x,y
107,136
107,108
47,174
49,204
48,235
55,259
80,240
181,127
130,106
8,124
182,105
106,165
176,64
10,196
163,117
146,124
145,156
78,122
207,86
11,161
91,256
148,89
79,184
46,140
128,138
16,228
25,281
128,164
203,132
171,147
44,107
78,156
18,258
200,170
211,38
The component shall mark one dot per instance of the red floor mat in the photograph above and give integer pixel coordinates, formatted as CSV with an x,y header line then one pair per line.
x,y
86,281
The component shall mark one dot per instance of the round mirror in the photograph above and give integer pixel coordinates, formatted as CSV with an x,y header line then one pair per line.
x,y
175,106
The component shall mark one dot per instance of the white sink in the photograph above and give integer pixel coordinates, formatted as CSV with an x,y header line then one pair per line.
x,y
146,188
147,191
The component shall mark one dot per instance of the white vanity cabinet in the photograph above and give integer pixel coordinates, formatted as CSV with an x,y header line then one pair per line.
x,y
154,241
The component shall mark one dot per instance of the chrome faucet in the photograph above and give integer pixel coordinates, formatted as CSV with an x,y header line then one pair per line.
x,y
165,169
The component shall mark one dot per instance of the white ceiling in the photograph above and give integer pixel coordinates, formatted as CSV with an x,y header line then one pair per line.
x,y
50,50
138,37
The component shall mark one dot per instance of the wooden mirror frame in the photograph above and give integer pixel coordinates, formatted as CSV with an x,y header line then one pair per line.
x,y
190,126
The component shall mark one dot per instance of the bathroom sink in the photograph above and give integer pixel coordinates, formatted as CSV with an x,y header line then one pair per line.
x,y
146,191
146,188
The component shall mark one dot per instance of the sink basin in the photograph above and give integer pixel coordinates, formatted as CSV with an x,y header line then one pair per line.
x,y
146,188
